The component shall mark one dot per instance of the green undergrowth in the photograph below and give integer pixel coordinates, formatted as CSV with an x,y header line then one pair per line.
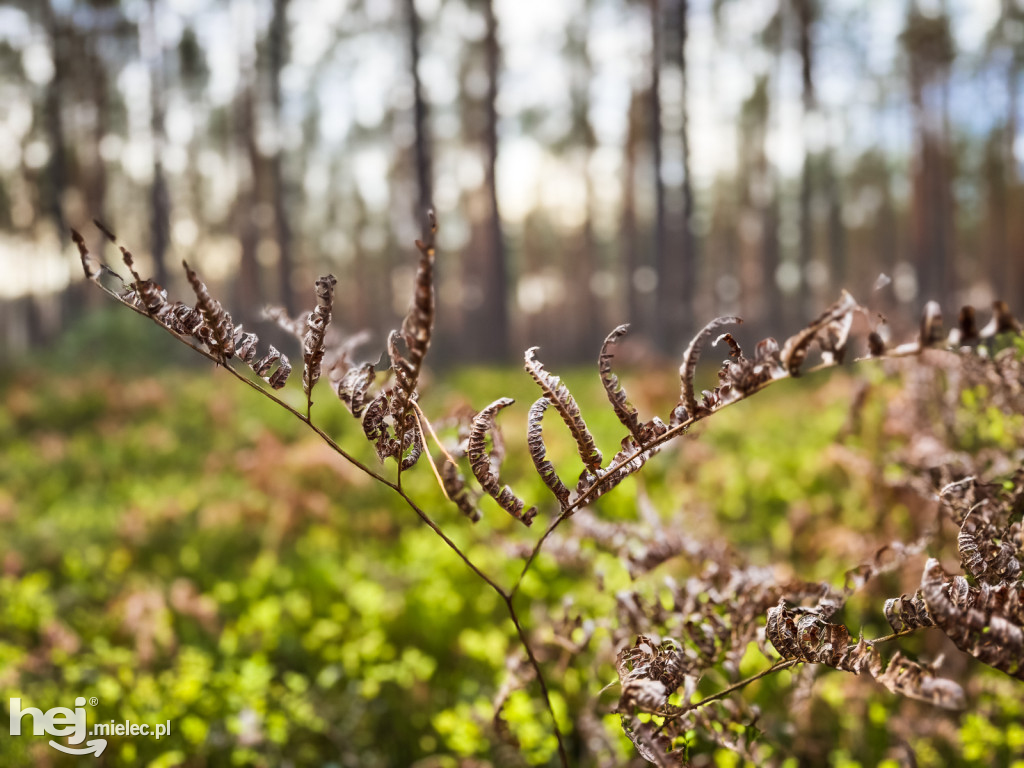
x,y
180,549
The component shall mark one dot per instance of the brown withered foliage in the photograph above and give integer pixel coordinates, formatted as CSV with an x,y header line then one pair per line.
x,y
700,626
486,464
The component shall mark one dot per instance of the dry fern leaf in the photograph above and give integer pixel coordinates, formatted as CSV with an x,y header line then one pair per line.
x,y
454,482
650,672
985,621
313,337
417,328
688,368
885,559
95,269
376,428
412,443
406,450
217,319
739,375
561,398
396,400
418,324
652,745
916,681
146,295
626,462
293,326
486,473
988,551
245,350
208,323
458,491
904,613
353,386
262,367
617,396
813,639
831,330
931,325
90,264
538,452
1002,321
966,331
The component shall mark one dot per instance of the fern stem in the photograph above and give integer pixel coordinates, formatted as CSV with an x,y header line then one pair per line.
x,y
540,679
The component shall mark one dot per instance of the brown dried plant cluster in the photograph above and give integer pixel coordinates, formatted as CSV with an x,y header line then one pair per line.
x,y
711,619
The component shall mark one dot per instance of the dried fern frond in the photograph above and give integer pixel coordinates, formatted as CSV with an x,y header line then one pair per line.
x,y
376,429
688,368
904,613
624,410
215,317
262,367
985,622
455,485
538,452
1002,321
989,548
485,471
293,326
94,268
652,745
561,398
917,681
458,491
396,400
353,386
313,337
931,325
830,330
885,559
628,460
417,328
813,639
144,294
418,325
650,672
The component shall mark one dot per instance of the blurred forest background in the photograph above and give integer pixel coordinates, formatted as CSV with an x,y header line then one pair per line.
x,y
591,161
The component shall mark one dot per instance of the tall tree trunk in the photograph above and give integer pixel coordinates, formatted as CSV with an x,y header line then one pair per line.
x,y
250,293
159,195
1013,261
45,323
495,278
56,170
583,323
629,236
277,53
929,46
677,274
424,176
805,21
657,329
96,183
836,227
689,255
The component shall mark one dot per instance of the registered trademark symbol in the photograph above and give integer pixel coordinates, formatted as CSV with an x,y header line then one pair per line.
x,y
93,701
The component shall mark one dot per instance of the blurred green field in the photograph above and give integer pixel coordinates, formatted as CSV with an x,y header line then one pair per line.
x,y
181,549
